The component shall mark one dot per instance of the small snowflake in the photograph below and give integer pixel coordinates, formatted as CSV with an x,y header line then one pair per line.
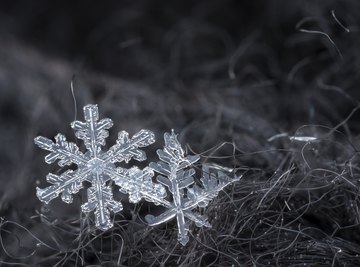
x,y
98,167
177,175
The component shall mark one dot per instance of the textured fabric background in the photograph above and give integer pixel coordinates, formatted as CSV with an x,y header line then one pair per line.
x,y
245,83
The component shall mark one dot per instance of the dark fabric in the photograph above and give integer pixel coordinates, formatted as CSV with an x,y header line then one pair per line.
x,y
270,88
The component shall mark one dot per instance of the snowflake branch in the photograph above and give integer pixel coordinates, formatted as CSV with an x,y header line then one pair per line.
x,y
213,184
66,152
125,148
66,184
100,199
92,132
138,184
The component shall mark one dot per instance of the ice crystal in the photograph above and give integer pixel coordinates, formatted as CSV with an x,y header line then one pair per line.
x,y
98,167
176,173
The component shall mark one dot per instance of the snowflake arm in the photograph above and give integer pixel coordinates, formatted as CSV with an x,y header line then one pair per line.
x,y
212,183
126,148
66,184
100,199
176,174
66,152
94,166
92,132
138,184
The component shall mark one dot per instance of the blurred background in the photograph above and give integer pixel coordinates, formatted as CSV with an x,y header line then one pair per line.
x,y
244,83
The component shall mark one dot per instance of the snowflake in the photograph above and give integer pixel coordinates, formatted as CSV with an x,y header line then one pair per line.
x,y
177,175
98,167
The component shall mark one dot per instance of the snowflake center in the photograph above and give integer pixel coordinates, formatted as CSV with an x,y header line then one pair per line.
x,y
96,166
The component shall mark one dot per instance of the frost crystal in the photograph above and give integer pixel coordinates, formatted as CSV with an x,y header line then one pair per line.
x,y
98,167
177,175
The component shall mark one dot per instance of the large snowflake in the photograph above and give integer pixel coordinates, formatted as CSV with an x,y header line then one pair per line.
x,y
176,174
98,167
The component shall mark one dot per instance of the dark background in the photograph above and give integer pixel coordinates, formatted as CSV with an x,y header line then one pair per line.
x,y
254,77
